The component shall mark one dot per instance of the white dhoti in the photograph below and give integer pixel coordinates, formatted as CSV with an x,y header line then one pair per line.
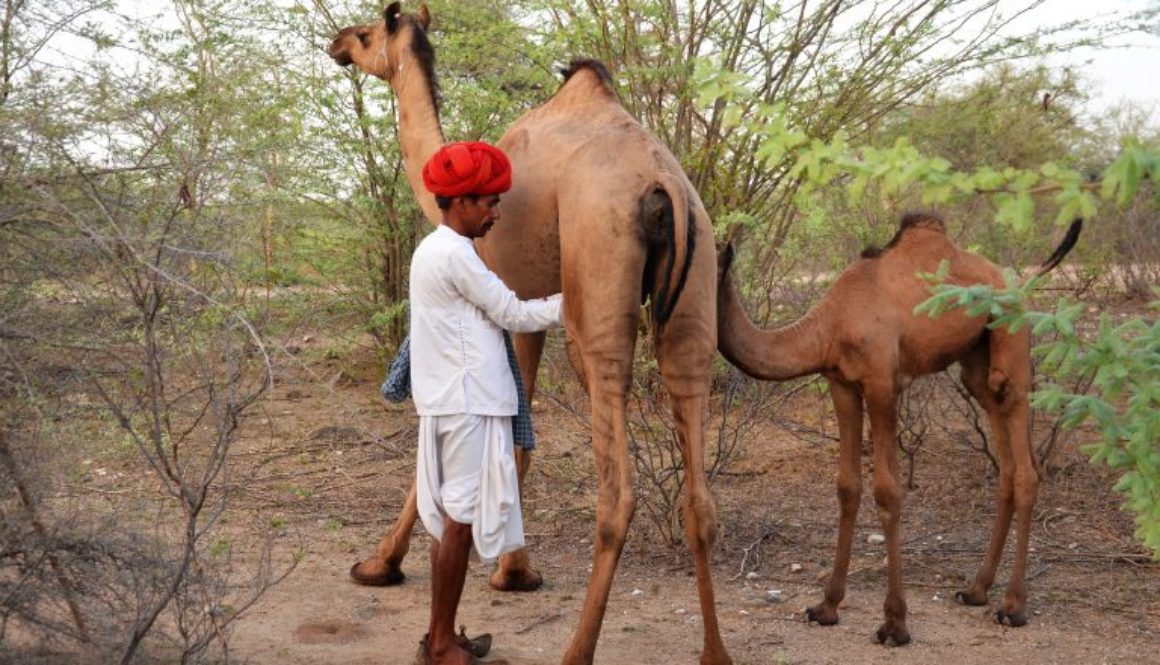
x,y
466,472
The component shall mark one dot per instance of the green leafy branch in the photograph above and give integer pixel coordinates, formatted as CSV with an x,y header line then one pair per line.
x,y
1013,191
813,164
1121,362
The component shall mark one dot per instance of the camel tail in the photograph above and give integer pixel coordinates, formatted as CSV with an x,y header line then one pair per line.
x,y
670,231
1065,246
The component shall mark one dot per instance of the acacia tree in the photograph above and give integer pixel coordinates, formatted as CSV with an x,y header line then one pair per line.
x,y
690,72
125,217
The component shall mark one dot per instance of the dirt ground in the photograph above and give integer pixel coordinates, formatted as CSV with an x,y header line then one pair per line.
x,y
331,463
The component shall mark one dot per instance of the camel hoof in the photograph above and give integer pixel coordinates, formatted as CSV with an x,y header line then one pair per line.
x,y
392,576
970,597
1015,619
515,580
822,615
892,635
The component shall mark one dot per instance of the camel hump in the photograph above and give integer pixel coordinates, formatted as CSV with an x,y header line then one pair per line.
x,y
593,66
922,220
670,234
913,220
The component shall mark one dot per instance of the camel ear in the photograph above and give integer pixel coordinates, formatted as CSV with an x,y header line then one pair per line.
x,y
726,258
391,15
424,16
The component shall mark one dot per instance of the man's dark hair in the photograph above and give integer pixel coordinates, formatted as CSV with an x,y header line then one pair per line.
x,y
444,202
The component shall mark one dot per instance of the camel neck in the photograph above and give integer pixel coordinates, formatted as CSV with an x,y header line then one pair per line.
x,y
420,133
778,354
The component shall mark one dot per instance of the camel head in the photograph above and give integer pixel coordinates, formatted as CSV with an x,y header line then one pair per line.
x,y
382,49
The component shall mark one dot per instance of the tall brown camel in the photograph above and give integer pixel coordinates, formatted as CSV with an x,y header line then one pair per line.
x,y
604,213
865,339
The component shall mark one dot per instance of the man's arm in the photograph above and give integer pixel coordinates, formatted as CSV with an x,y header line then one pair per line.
x,y
484,289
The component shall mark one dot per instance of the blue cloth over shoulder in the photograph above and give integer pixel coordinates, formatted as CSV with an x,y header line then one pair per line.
x,y
397,388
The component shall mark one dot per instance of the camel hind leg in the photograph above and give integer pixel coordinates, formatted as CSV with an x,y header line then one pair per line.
x,y
685,367
601,265
999,377
609,371
848,408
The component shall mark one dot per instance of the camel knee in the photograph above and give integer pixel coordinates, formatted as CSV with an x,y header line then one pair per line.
x,y
887,493
1025,489
849,493
612,527
888,496
523,463
700,518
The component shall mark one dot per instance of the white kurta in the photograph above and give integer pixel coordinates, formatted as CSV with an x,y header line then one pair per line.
x,y
459,310
464,391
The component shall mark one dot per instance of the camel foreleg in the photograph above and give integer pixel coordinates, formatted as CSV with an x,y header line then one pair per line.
x,y
848,408
514,571
384,567
882,404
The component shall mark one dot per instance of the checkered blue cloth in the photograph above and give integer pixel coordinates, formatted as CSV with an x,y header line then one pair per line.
x,y
397,388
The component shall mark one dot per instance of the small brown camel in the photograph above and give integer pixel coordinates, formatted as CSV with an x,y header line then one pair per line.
x,y
604,213
865,339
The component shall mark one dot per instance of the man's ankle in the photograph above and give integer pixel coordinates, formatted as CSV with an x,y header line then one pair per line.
x,y
448,652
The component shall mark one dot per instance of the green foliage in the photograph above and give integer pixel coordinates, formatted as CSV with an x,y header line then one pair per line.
x,y
1123,177
1121,361
389,316
737,88
1124,362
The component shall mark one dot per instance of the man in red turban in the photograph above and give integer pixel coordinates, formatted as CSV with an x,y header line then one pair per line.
x,y
462,385
467,168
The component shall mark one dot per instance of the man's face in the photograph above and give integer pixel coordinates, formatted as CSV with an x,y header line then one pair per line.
x,y
479,214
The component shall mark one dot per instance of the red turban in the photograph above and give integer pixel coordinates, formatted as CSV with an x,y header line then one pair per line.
x,y
469,167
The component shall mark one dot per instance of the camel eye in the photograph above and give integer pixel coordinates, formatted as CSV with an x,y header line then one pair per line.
x,y
364,38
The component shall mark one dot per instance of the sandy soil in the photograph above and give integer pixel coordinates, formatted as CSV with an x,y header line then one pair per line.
x,y
333,463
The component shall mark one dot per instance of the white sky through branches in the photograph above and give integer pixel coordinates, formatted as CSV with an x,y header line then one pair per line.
x,y
1126,69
